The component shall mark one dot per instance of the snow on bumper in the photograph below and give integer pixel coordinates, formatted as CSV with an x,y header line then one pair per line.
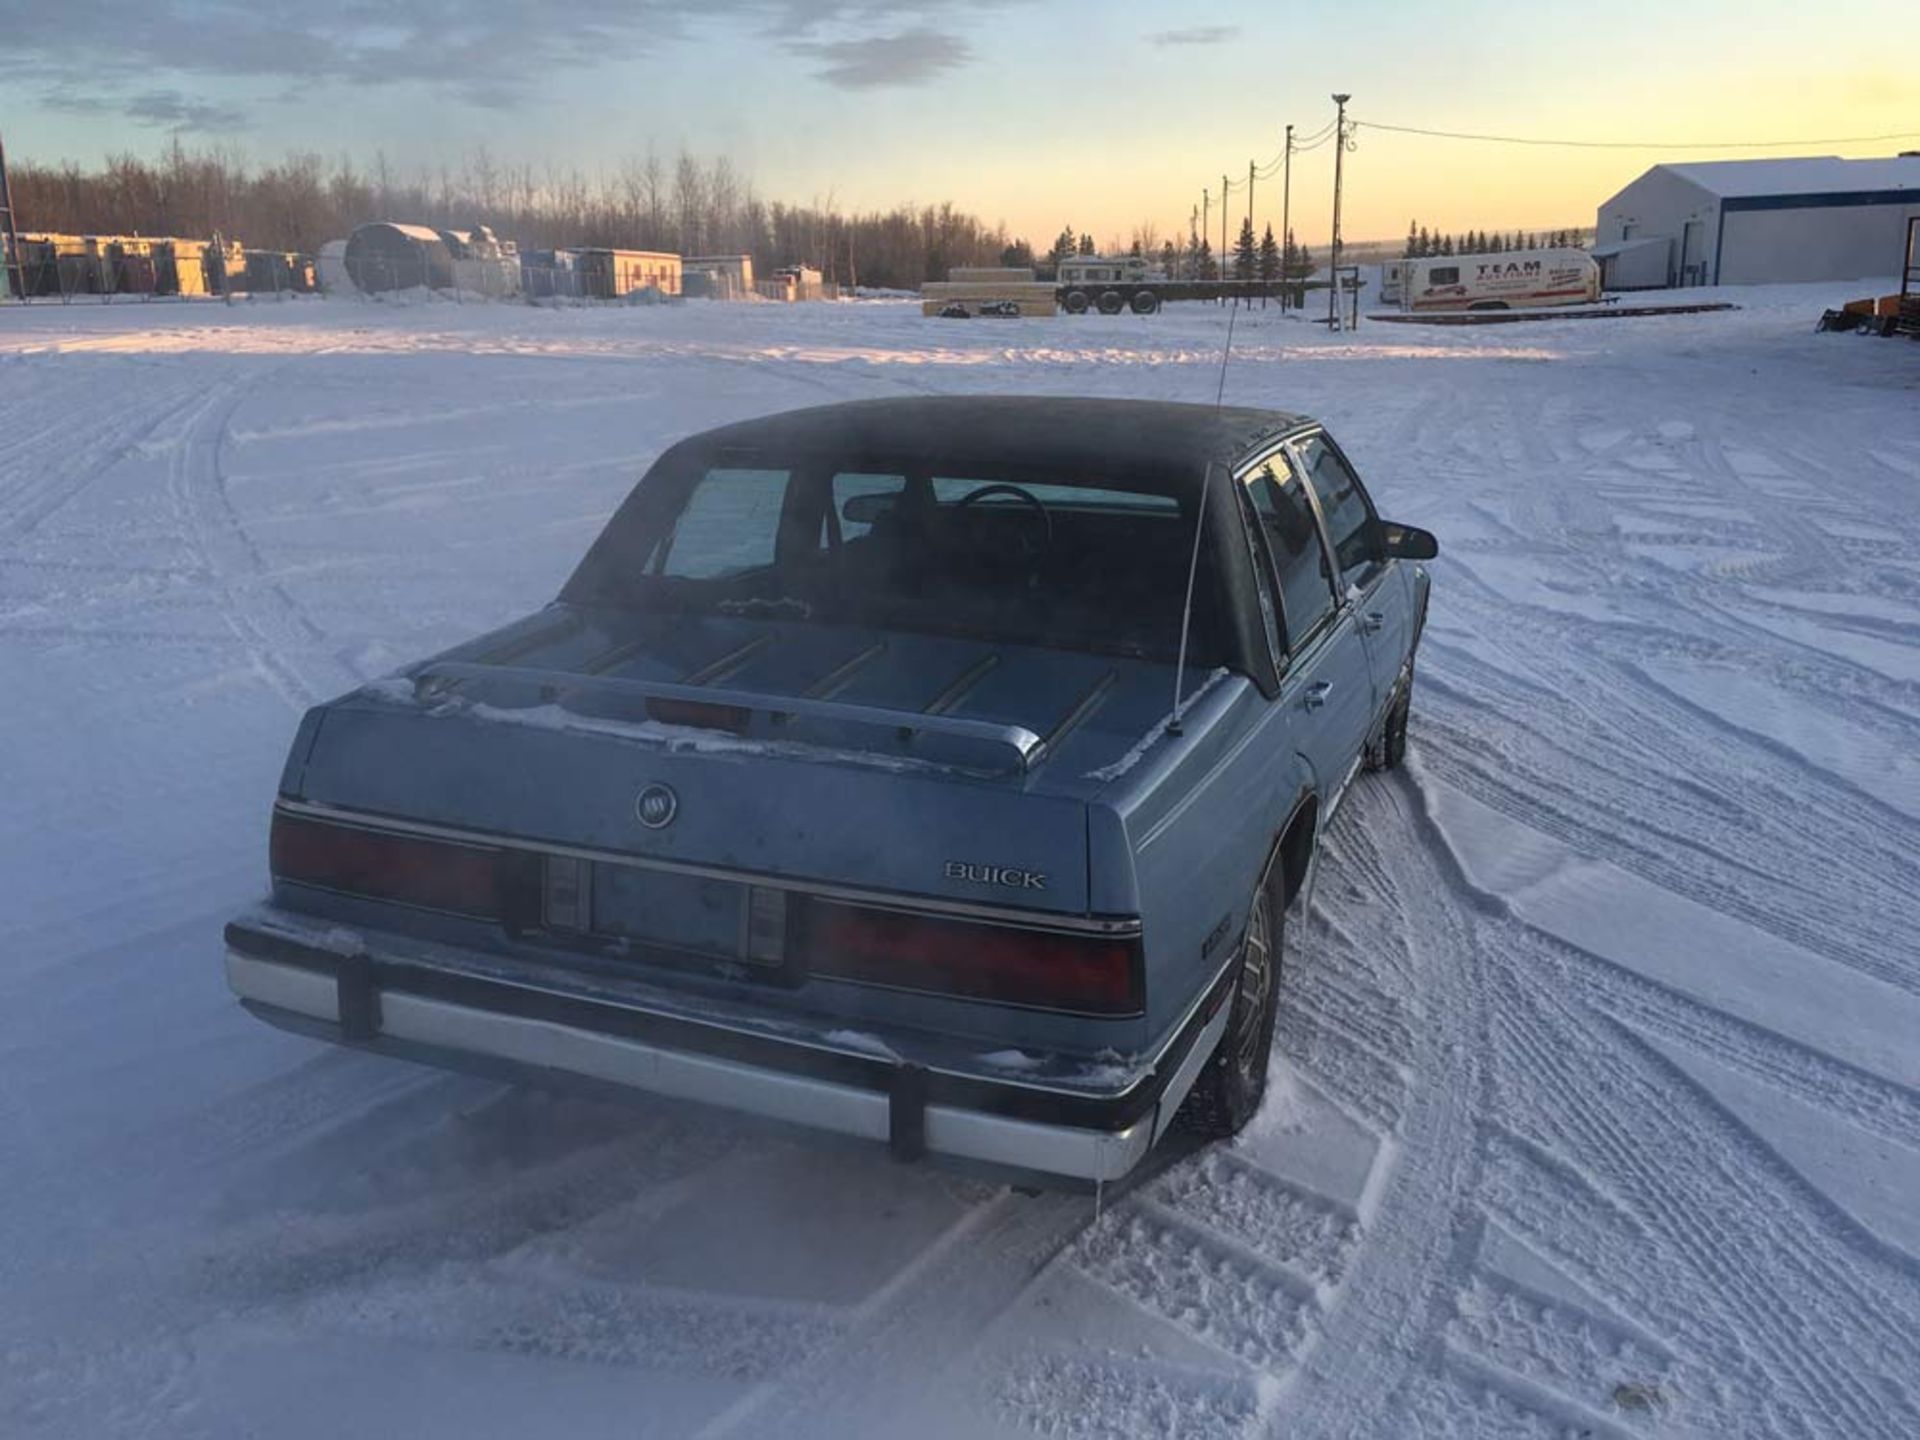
x,y
427,1013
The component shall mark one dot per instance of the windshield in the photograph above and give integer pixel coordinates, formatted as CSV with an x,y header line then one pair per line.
x,y
1074,561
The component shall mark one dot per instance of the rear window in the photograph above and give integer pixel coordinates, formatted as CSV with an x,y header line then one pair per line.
x,y
1090,562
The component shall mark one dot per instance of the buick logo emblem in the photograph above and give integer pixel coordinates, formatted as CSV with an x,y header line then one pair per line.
x,y
656,807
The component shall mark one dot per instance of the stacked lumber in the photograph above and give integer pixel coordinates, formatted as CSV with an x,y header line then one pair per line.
x,y
1029,296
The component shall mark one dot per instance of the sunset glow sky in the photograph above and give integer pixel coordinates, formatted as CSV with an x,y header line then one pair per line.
x,y
1098,116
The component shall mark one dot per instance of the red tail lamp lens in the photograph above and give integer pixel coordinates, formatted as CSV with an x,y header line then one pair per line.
x,y
465,879
699,714
1092,975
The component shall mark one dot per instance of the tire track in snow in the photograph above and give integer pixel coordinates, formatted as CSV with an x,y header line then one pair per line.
x,y
282,643
1683,1192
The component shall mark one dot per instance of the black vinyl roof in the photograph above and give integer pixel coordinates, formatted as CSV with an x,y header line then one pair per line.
x,y
1043,431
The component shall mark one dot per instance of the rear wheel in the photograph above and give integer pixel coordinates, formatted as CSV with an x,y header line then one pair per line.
x,y
1144,302
1234,1082
1111,302
1076,302
1390,749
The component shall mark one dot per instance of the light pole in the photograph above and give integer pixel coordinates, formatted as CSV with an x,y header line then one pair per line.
x,y
1339,153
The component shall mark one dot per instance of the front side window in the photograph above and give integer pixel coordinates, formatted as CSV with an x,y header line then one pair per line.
x,y
1444,275
1293,541
1351,523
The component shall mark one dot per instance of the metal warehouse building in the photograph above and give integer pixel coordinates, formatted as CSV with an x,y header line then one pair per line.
x,y
1758,222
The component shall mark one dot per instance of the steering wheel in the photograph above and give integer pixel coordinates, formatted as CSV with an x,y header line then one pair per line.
x,y
1029,550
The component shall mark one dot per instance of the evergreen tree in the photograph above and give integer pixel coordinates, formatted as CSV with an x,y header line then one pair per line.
x,y
1062,246
1269,258
1135,250
1170,261
1425,248
1446,245
1302,263
1086,245
1204,261
1246,252
1413,242
1018,255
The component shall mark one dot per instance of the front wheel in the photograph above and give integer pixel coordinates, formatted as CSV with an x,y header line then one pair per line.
x,y
1234,1082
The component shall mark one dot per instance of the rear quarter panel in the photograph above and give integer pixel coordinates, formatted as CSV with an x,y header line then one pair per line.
x,y
1188,832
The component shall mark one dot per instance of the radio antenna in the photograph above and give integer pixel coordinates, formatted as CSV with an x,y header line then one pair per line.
x,y
1226,354
1199,528
1186,613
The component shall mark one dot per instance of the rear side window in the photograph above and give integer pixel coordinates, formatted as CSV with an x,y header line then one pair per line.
x,y
1351,524
1299,556
731,525
1444,275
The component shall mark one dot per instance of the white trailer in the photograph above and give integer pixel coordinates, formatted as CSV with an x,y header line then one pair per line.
x,y
1515,280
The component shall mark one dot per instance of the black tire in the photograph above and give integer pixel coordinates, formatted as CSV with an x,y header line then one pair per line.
x,y
1390,749
1234,1081
1111,302
1076,302
1144,302
1488,305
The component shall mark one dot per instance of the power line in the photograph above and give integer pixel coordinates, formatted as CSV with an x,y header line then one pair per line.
x,y
1634,144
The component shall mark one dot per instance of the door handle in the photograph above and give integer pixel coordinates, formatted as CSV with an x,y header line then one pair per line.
x,y
1317,693
1371,622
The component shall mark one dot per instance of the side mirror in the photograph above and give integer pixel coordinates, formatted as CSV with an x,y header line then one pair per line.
x,y
1409,542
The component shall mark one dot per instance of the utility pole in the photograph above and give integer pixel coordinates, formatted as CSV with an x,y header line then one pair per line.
x,y
1339,153
1286,217
1205,223
9,235
1223,230
1256,238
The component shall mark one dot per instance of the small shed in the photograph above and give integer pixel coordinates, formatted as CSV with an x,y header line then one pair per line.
x,y
1643,264
483,264
551,275
330,269
382,256
180,267
718,277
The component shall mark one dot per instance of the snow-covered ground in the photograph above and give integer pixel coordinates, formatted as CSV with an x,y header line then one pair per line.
x,y
1597,1101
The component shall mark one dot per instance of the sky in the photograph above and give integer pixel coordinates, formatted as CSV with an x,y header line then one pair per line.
x,y
1041,115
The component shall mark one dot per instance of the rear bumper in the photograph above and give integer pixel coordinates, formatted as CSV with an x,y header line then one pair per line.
x,y
424,1011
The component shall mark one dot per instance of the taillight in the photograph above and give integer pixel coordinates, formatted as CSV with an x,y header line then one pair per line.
x,y
699,714
1088,974
438,874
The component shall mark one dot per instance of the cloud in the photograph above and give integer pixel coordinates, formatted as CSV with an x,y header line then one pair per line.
x,y
486,53
903,59
175,111
1195,35
164,108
